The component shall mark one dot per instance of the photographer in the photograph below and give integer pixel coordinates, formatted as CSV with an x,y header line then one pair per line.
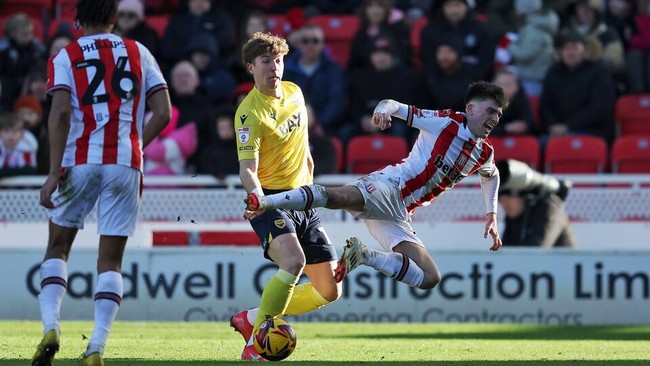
x,y
534,207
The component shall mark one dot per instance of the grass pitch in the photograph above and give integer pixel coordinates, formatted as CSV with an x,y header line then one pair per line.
x,y
202,344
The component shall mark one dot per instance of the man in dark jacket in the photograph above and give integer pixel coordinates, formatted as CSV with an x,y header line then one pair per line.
x,y
321,79
579,95
534,207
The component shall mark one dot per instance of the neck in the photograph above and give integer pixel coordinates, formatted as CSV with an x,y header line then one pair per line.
x,y
89,31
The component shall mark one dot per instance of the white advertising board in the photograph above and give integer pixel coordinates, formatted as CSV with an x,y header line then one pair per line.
x,y
209,284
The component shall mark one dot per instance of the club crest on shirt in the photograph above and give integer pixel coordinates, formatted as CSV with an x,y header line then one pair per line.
x,y
280,223
244,134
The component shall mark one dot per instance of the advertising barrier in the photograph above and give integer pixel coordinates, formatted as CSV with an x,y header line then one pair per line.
x,y
210,284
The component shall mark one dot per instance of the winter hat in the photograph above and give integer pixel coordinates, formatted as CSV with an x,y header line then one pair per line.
x,y
131,6
454,41
28,101
524,7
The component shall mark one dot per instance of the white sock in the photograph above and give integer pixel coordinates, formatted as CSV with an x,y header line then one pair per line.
x,y
301,198
395,265
251,316
108,297
54,281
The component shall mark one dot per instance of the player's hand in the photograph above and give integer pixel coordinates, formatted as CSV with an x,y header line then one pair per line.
x,y
249,215
491,229
51,182
382,120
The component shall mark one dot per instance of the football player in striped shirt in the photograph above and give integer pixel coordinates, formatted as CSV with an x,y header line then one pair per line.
x,y
99,86
450,146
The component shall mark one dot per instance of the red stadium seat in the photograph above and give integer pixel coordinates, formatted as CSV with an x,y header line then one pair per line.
x,y
37,9
633,114
64,21
631,154
523,148
278,24
158,23
340,156
576,155
366,154
64,8
339,31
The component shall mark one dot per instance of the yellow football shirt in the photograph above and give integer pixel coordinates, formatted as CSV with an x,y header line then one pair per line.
x,y
274,131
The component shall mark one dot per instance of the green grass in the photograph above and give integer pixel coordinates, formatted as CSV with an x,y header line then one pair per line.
x,y
202,344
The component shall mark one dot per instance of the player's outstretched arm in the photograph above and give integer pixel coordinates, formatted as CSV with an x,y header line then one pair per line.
x,y
385,110
492,230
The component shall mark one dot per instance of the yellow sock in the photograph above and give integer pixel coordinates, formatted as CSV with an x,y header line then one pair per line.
x,y
276,295
305,299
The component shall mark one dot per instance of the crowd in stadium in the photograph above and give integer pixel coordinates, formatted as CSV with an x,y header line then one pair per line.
x,y
563,65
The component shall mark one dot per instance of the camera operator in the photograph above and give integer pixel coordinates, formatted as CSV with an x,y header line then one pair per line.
x,y
534,207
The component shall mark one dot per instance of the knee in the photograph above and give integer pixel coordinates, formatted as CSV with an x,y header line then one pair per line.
x,y
430,280
331,293
294,265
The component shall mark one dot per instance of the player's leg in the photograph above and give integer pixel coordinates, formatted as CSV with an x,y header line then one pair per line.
x,y
423,260
117,212
73,200
307,197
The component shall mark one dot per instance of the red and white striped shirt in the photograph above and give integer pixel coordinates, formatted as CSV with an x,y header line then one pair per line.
x,y
23,155
109,78
444,153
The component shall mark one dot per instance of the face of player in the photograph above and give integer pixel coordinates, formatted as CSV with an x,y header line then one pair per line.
x,y
483,116
267,72
11,136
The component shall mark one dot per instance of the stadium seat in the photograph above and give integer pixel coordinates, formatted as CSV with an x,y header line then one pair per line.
x,y
38,26
278,24
368,153
340,156
523,148
36,9
631,154
68,22
64,8
576,155
633,114
158,23
339,31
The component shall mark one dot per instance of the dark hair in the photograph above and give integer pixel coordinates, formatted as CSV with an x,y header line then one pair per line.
x,y
568,36
98,13
483,90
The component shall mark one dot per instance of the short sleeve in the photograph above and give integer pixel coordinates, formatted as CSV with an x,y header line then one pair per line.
x,y
248,129
487,170
153,77
59,72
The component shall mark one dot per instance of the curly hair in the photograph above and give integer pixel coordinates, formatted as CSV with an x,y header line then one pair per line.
x,y
483,90
261,44
98,13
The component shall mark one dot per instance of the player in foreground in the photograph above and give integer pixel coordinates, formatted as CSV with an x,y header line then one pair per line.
x,y
450,147
99,85
274,157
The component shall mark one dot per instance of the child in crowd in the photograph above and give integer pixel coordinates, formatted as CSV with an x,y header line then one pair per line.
x,y
18,147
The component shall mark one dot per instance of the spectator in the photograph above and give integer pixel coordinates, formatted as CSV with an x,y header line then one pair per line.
x,y
385,78
619,15
17,147
534,207
448,80
454,17
579,94
532,52
218,84
218,156
585,18
19,50
36,85
517,119
321,146
167,154
199,17
59,41
254,21
321,79
130,24
501,18
379,17
191,103
240,93
638,70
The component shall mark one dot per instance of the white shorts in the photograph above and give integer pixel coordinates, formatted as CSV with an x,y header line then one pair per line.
x,y
116,190
384,211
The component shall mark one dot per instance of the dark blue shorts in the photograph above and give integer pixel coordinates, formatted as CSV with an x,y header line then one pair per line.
x,y
305,224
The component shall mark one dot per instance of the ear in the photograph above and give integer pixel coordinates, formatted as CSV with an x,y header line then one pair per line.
x,y
249,68
469,108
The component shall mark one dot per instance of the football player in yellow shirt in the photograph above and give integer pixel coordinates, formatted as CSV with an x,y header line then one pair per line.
x,y
274,156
